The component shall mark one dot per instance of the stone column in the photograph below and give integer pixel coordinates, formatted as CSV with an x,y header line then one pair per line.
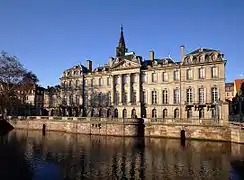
x,y
138,88
112,90
129,88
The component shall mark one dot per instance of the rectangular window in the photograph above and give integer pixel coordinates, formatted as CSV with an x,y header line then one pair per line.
x,y
176,75
189,95
188,74
133,97
176,96
214,72
201,95
164,76
154,77
154,97
144,97
201,72
215,95
143,77
108,81
165,97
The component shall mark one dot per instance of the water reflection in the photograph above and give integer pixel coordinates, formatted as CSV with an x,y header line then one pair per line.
x,y
69,156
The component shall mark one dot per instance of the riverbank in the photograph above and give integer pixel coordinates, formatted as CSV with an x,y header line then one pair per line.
x,y
202,130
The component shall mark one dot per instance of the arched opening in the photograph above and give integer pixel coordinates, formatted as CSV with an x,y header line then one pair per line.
x,y
124,113
154,113
108,113
176,113
100,112
116,113
165,112
133,113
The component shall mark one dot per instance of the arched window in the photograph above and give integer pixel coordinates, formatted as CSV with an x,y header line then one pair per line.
x,y
108,113
165,113
176,113
133,113
124,113
154,113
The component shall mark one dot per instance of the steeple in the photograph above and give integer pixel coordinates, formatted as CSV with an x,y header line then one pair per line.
x,y
121,49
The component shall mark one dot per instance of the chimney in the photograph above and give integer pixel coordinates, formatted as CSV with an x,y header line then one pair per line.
x,y
151,55
182,52
89,65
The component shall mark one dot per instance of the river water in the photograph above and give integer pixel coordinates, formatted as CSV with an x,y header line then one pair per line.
x,y
55,156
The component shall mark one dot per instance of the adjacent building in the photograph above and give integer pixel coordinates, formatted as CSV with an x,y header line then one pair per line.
x,y
155,88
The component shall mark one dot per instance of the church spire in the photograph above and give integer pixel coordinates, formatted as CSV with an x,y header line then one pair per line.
x,y
121,49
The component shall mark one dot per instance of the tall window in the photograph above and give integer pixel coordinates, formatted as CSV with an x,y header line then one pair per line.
x,y
164,76
165,97
154,113
189,95
116,98
100,81
176,75
143,77
77,83
176,113
214,94
70,99
154,77
201,95
154,97
144,97
176,96
189,74
133,97
108,81
214,72
201,72
125,97
124,77
77,100
165,113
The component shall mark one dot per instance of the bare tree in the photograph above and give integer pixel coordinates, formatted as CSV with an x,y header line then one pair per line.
x,y
15,82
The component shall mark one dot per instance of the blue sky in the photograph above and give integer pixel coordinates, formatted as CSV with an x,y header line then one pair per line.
x,y
49,36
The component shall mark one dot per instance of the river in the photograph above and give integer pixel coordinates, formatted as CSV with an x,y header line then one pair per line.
x,y
55,156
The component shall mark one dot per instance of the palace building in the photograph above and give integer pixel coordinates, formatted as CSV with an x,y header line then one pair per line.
x,y
157,88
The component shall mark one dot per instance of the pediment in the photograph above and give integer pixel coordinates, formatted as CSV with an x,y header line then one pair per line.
x,y
125,64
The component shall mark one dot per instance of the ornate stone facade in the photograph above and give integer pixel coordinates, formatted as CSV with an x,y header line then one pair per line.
x,y
157,88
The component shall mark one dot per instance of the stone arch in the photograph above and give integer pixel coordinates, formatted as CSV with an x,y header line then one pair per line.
x,y
124,115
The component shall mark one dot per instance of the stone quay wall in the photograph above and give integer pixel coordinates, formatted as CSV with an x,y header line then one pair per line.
x,y
204,130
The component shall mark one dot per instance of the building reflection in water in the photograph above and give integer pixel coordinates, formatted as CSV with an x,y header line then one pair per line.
x,y
100,157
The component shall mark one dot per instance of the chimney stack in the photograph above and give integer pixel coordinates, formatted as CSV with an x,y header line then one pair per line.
x,y
151,55
89,65
182,52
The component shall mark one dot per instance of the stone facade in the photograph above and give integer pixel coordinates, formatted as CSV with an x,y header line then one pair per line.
x,y
157,88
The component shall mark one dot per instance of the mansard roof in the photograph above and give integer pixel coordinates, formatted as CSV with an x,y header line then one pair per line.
x,y
202,50
77,67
